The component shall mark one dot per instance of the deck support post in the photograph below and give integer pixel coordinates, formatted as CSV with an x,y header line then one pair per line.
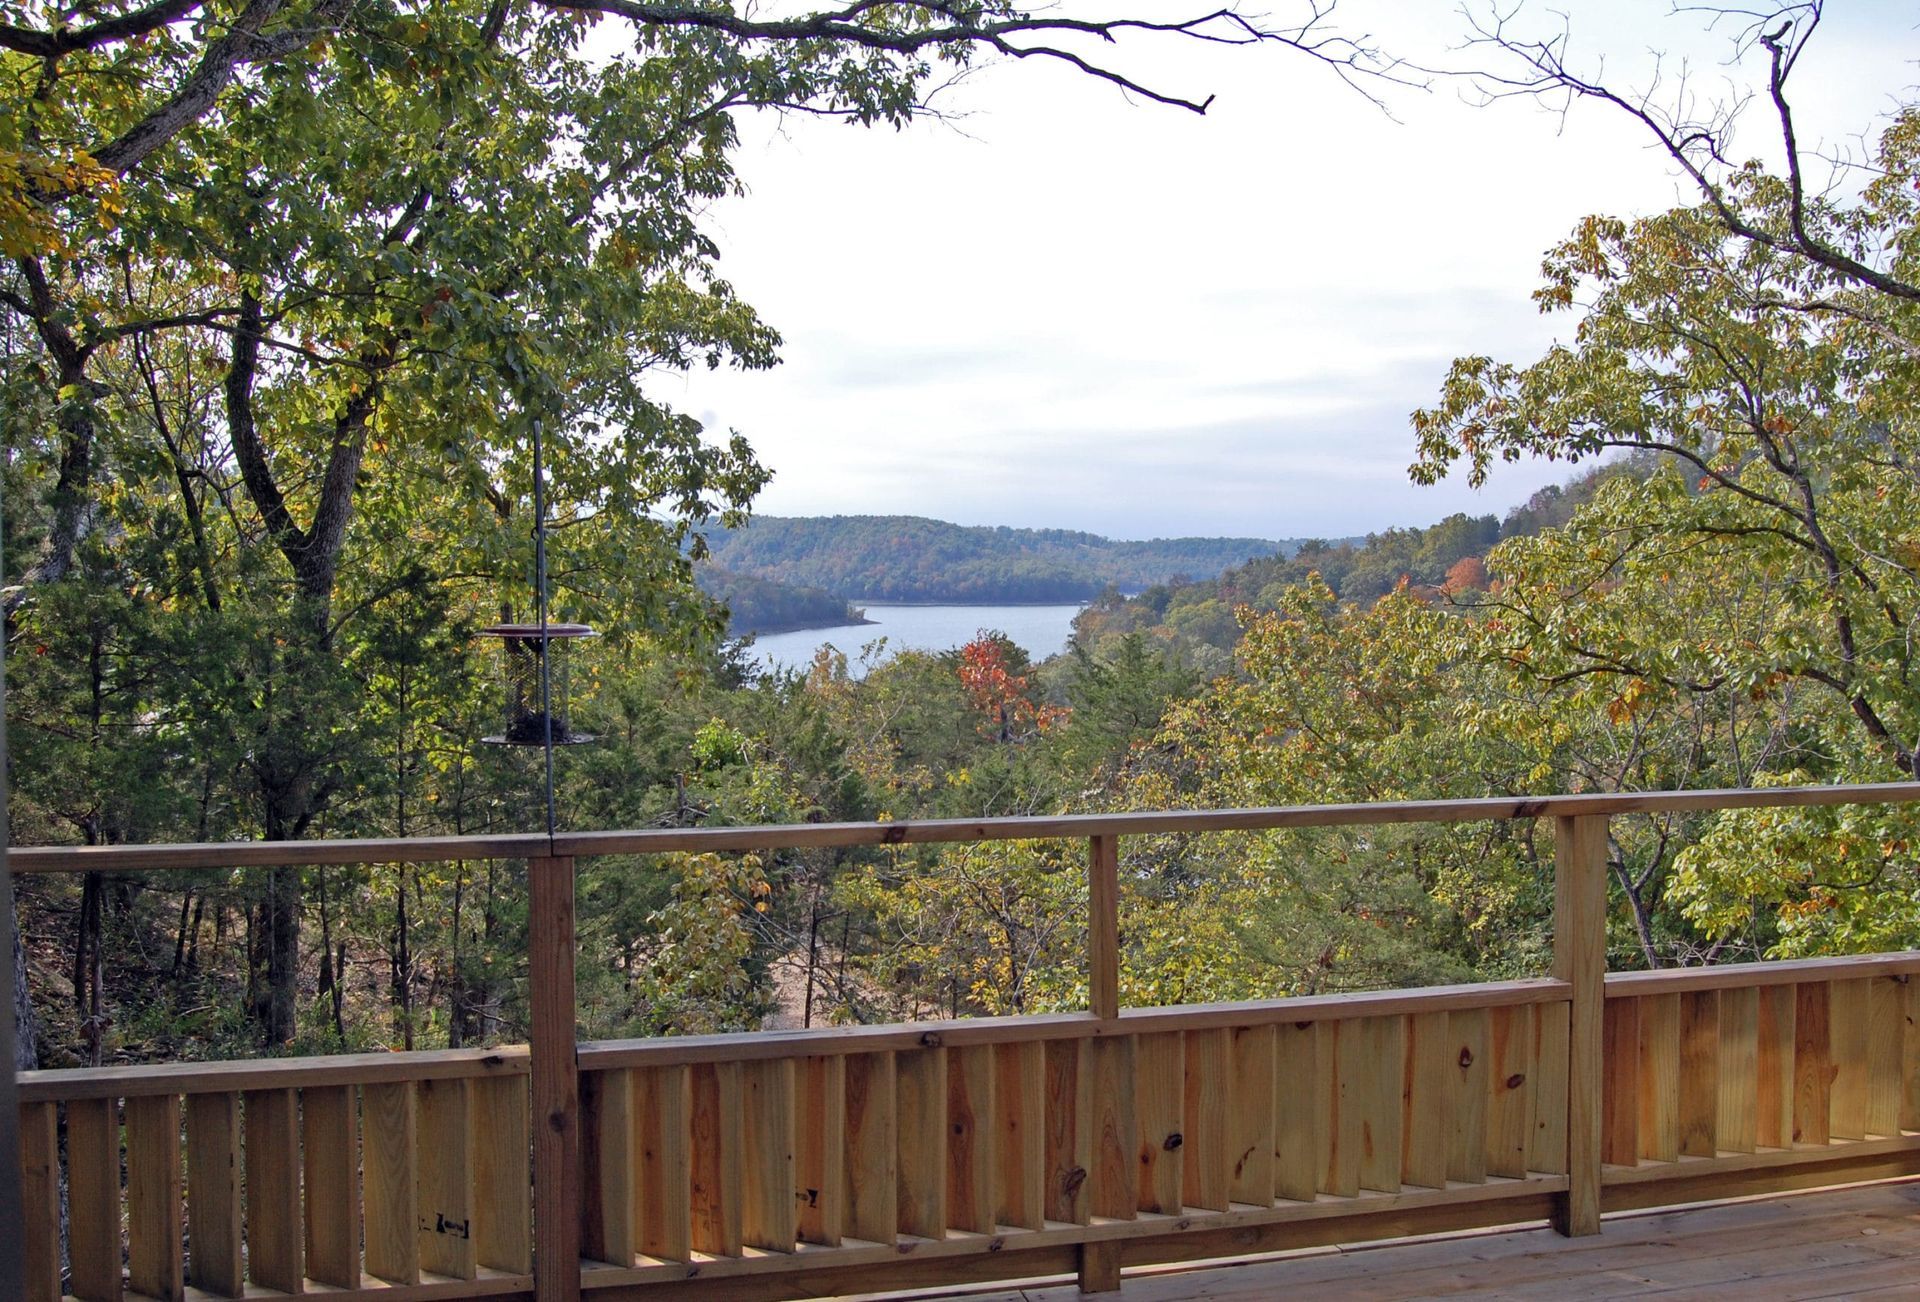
x,y
1100,1262
555,1081
1580,959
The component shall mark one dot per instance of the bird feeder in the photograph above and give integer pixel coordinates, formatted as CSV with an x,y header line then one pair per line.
x,y
537,715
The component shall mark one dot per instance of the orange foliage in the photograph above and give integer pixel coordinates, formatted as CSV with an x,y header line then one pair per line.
x,y
1003,696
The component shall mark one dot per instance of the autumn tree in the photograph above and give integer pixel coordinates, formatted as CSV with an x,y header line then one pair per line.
x,y
295,283
1766,563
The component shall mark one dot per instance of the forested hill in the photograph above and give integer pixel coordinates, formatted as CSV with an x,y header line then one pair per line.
x,y
910,558
1196,619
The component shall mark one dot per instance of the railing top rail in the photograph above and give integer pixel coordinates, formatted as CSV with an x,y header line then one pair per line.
x,y
59,1084
440,849
1738,976
744,1046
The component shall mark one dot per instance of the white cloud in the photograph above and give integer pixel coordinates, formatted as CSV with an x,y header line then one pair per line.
x,y
1126,318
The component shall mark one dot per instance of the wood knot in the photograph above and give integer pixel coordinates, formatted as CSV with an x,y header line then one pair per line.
x,y
893,834
931,1040
1466,1058
1070,1182
1516,1080
1173,1141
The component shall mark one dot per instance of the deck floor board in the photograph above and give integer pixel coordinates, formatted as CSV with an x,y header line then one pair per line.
x,y
1859,1242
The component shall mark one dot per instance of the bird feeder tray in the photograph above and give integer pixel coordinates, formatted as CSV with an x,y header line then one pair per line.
x,y
524,650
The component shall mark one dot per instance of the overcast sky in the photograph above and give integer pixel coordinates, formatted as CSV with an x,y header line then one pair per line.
x,y
1067,309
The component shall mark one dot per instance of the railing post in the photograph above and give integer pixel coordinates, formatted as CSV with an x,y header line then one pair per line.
x,y
1100,1262
555,1081
1103,925
1580,959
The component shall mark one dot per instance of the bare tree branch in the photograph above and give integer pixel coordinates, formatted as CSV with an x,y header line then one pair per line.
x,y
1696,145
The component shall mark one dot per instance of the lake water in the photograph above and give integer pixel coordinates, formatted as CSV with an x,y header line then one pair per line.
x,y
1040,631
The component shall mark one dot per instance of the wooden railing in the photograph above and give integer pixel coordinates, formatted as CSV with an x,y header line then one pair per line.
x,y
801,1163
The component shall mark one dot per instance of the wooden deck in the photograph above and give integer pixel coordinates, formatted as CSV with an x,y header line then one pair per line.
x,y
1861,1242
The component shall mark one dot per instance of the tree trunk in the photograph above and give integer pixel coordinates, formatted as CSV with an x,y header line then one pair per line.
x,y
193,944
329,979
400,960
456,988
26,1049
277,937
180,931
86,938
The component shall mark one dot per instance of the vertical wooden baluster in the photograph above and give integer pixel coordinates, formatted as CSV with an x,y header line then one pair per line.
x,y
1699,1073
872,1182
1660,1078
1886,1019
1509,1107
1738,1122
1547,1145
769,1218
154,1265
1910,1053
502,1175
1020,1134
40,1199
820,1163
445,1124
1382,1074
1299,1112
662,1104
330,1137
93,1198
920,1099
715,1139
1069,1131
1159,1106
213,1206
1426,1123
1580,959
1620,1101
272,1157
1848,1019
1207,1164
390,1194
607,1213
1114,1192
971,1203
1250,1125
1773,1068
1812,1064
1338,1134
555,1081
1468,1081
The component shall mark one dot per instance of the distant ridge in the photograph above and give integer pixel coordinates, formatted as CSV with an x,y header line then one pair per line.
x,y
913,558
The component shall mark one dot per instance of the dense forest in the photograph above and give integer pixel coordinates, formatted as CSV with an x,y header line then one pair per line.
x,y
908,558
273,385
1200,621
756,605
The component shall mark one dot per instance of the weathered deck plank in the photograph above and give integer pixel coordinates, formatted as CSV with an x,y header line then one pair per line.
x,y
1857,1242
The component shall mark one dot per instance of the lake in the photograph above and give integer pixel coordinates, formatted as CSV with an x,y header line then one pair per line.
x,y
1040,631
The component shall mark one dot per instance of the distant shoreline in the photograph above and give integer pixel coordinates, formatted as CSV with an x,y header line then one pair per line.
x,y
803,627
961,605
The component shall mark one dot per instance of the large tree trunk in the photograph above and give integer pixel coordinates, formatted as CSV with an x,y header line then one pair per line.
x,y
276,950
